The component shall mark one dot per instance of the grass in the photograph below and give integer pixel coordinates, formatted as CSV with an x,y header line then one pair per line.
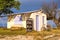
x,y
10,32
24,32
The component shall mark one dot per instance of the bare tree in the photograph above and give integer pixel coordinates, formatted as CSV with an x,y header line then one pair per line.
x,y
50,9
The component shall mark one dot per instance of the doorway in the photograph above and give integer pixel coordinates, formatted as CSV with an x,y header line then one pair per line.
x,y
37,22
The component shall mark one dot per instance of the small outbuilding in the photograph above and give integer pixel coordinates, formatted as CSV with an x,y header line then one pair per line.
x,y
38,17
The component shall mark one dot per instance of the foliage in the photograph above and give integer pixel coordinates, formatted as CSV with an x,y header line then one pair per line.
x,y
6,5
49,28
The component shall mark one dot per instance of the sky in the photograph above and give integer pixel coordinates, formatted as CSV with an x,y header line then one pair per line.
x,y
31,5
28,5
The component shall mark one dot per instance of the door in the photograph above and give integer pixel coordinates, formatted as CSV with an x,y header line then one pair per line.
x,y
29,24
37,22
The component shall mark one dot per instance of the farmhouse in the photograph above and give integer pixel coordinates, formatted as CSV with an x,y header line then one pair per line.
x,y
38,17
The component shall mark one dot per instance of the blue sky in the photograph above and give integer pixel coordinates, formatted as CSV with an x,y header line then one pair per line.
x,y
27,5
30,5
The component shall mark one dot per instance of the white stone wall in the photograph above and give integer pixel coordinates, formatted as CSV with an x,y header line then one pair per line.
x,y
14,22
24,24
33,16
10,23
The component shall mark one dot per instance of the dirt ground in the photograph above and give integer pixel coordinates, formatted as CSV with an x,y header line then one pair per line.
x,y
23,37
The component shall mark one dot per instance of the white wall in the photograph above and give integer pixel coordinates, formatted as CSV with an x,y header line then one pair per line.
x,y
33,16
24,24
10,23
15,22
45,20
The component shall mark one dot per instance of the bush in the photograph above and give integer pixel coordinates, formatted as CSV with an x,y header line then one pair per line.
x,y
49,27
58,26
43,28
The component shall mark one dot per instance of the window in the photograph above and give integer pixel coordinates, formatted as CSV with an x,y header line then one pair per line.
x,y
20,18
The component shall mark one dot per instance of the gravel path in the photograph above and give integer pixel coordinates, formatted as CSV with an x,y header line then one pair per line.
x,y
19,37
23,37
52,37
